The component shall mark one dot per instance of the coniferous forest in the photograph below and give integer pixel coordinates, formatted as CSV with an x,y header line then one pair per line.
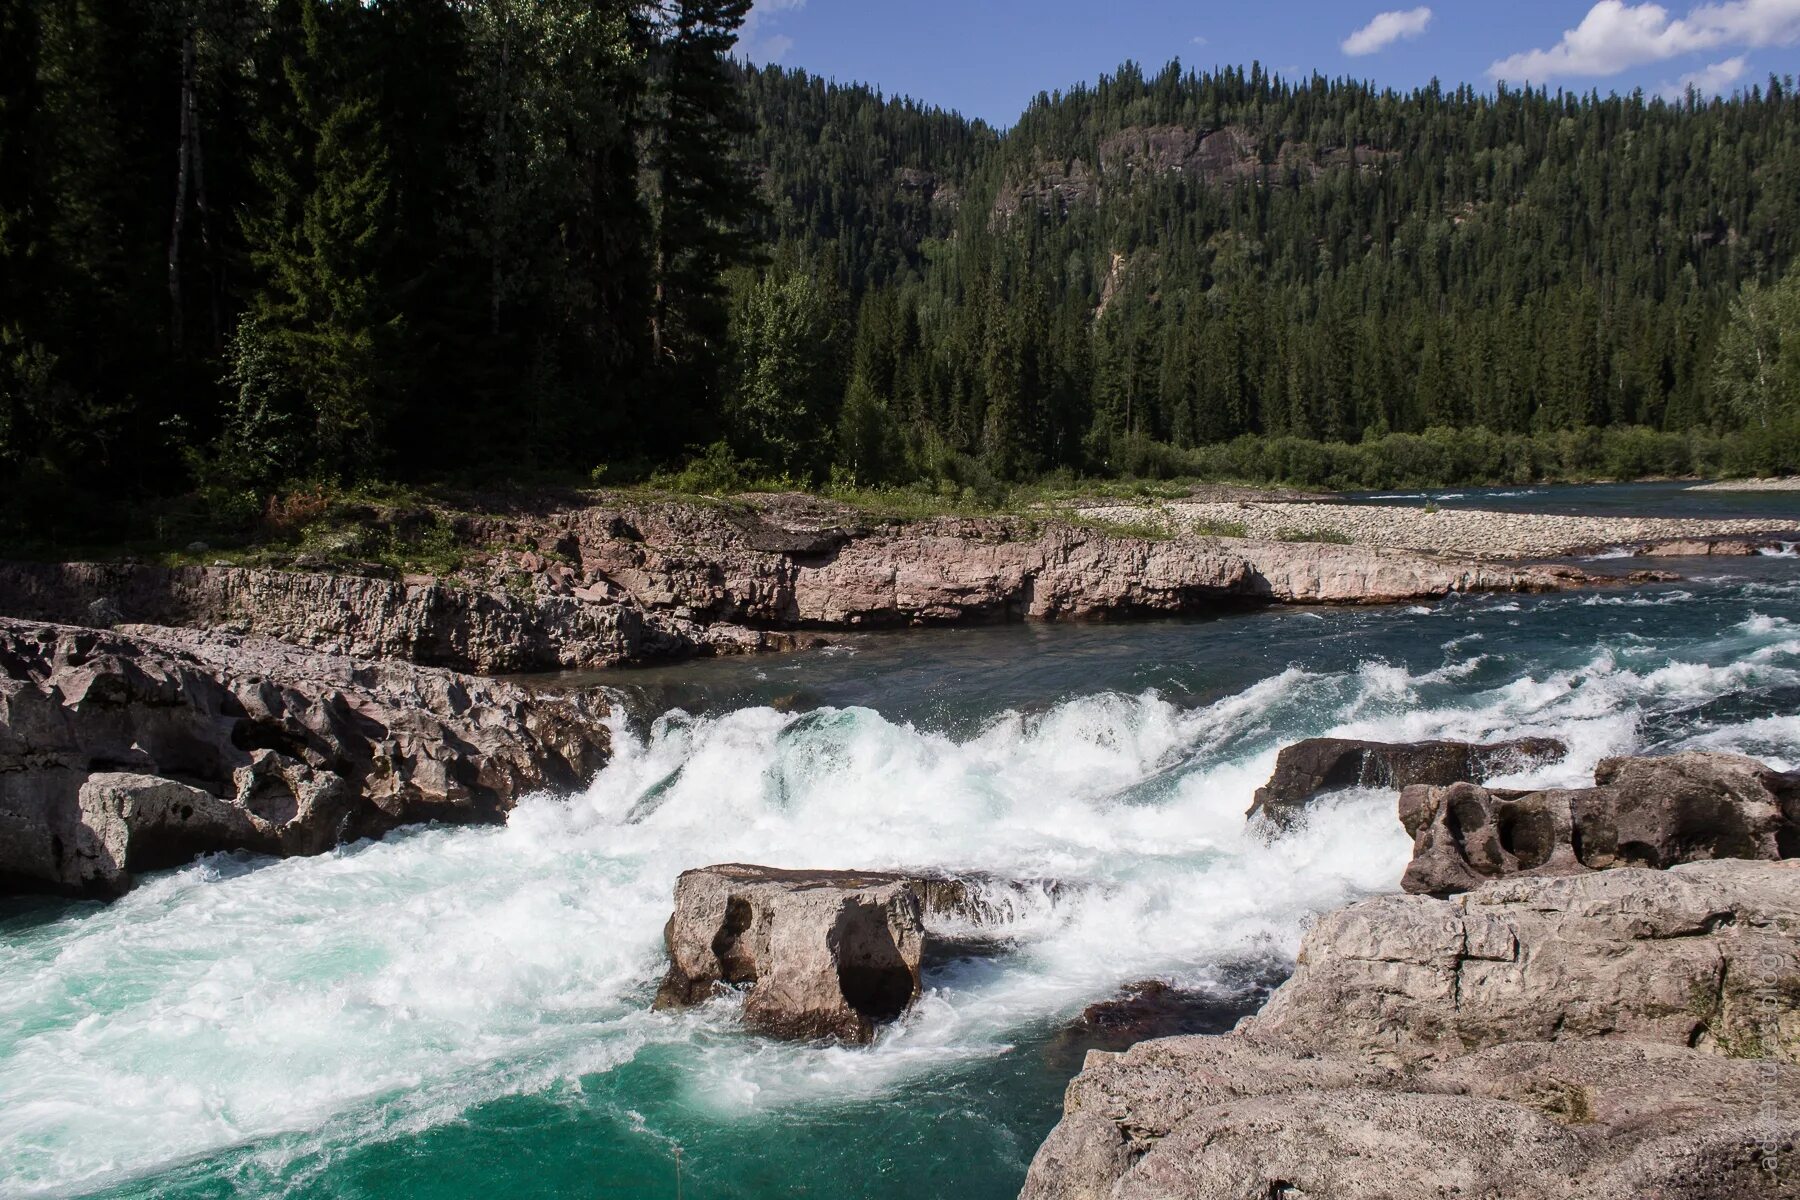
x,y
246,244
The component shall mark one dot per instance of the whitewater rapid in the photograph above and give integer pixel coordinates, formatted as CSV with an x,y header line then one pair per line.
x,y
284,1008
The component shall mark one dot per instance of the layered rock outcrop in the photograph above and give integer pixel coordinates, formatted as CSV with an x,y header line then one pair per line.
x,y
1306,769
1626,1033
140,748
601,585
1652,812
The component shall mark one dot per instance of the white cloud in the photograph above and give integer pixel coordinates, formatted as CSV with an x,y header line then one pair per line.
x,y
1387,29
1616,36
1710,80
758,40
1199,40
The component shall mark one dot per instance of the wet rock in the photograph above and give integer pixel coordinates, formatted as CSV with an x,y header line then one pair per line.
x,y
832,954
1651,812
822,954
139,748
1631,1033
1154,1008
1305,769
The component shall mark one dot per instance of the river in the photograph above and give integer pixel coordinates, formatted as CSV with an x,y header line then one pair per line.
x,y
457,1013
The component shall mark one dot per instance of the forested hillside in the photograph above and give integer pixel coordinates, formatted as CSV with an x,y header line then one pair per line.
x,y
1187,259
246,244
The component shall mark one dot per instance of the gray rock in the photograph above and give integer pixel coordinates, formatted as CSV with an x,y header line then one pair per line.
x,y
1632,1033
1305,769
647,581
1685,957
823,954
140,748
1653,812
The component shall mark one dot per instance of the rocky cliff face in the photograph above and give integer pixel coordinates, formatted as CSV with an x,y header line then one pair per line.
x,y
1625,1033
604,585
141,748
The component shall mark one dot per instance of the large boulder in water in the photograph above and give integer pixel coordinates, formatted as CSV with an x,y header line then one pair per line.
x,y
1647,812
1629,1033
140,748
823,954
1317,765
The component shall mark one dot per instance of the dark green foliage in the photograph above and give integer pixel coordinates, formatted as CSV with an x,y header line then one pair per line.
x,y
702,199
247,242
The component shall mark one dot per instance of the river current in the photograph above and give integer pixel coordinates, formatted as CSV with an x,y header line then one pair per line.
x,y
455,1013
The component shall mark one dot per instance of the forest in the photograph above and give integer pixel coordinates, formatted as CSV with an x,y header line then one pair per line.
x,y
249,246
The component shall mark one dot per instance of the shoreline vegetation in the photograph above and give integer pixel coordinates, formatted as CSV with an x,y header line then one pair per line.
x,y
318,519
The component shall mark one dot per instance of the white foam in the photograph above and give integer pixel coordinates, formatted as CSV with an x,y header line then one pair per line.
x,y
388,987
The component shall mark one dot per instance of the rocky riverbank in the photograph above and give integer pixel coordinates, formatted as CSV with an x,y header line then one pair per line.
x,y
142,748
1474,533
1583,1025
601,585
1790,483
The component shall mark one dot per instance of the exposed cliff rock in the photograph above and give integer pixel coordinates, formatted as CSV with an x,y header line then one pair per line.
x,y
604,585
1652,812
142,748
1305,769
1631,1033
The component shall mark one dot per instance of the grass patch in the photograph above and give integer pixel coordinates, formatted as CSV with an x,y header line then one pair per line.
x,y
1322,537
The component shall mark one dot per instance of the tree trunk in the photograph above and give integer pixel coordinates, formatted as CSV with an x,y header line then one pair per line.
x,y
184,158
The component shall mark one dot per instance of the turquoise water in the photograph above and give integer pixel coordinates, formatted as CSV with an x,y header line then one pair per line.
x,y
464,1013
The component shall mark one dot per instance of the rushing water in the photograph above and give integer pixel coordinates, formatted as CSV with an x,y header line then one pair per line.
x,y
464,1013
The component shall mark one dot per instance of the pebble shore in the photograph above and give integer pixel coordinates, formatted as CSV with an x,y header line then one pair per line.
x,y
1790,484
1476,533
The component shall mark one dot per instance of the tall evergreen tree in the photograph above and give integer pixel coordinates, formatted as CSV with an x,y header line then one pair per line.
x,y
702,198
321,237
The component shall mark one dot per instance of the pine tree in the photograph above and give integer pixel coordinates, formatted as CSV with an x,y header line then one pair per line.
x,y
702,199
322,236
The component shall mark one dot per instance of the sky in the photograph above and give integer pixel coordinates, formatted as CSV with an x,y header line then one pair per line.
x,y
988,58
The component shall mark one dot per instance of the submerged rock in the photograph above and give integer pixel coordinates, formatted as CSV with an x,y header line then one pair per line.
x,y
1631,1033
823,954
1650,812
1154,1008
1305,769
141,748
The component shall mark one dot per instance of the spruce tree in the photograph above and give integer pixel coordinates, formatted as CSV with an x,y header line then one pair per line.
x,y
320,239
702,201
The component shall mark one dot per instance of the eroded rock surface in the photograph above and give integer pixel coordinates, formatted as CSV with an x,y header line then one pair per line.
x,y
1305,769
831,954
141,748
822,954
1652,812
1628,1033
604,584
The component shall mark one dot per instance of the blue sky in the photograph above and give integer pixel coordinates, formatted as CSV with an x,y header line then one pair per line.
x,y
988,58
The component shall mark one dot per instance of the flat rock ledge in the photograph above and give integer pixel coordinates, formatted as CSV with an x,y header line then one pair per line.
x,y
818,955
143,748
1628,1033
1307,769
607,585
